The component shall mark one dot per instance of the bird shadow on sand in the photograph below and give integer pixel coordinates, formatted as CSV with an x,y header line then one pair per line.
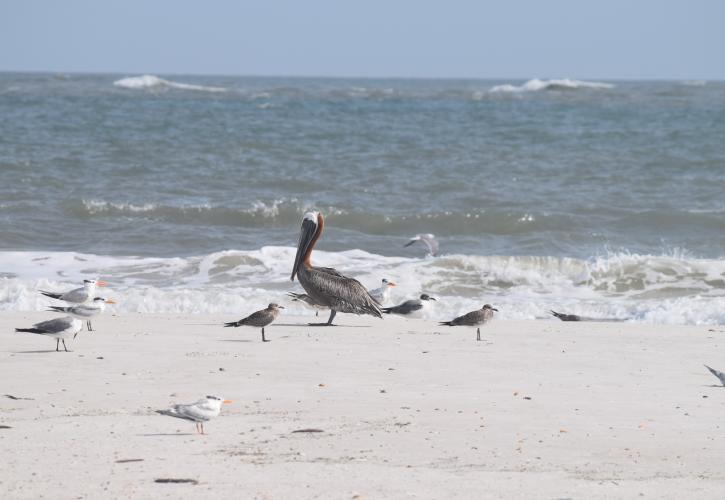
x,y
302,325
37,352
157,434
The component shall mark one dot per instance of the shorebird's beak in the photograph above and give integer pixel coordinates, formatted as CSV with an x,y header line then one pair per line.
x,y
433,298
101,283
280,307
307,234
390,283
110,301
227,401
494,309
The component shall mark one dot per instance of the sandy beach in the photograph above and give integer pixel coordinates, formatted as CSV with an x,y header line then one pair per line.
x,y
406,409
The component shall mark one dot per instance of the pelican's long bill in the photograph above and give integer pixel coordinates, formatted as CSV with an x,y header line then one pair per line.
x,y
307,235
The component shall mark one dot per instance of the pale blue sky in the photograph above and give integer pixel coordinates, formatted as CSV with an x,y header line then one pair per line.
x,y
606,39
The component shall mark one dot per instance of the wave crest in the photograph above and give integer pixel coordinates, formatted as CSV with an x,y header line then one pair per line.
x,y
561,84
154,82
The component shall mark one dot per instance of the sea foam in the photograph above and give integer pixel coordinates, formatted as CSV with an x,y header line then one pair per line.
x,y
647,288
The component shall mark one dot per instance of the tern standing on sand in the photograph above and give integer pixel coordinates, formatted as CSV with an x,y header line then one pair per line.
x,y
78,295
202,411
85,311
411,308
260,319
382,294
473,318
325,285
59,329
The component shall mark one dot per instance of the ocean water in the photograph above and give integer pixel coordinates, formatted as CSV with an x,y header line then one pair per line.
x,y
604,199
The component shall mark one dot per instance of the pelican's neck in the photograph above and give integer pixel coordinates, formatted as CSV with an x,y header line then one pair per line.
x,y
318,233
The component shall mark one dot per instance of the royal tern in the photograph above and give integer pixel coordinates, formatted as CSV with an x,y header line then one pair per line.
x,y
428,240
412,307
202,411
58,328
78,295
720,375
473,318
260,319
85,311
382,294
325,285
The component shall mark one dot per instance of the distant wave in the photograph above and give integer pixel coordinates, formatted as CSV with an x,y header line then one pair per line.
x,y
673,288
152,81
564,84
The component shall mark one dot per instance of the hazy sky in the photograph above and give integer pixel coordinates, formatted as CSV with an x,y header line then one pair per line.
x,y
453,38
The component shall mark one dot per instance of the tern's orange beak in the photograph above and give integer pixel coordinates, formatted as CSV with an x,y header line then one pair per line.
x,y
390,283
101,283
227,401
110,301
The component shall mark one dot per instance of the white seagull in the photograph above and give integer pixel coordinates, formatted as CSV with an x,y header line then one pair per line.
x,y
78,295
85,311
202,411
382,294
428,240
58,328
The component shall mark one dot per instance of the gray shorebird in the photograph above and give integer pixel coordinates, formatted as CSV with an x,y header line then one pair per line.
x,y
202,411
428,240
566,317
78,295
260,319
324,285
720,375
85,311
410,307
58,328
305,299
474,318
382,294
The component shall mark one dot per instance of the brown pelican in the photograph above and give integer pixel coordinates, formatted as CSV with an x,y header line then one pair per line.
x,y
382,294
260,319
410,307
199,412
59,329
473,318
85,311
428,240
324,285
78,295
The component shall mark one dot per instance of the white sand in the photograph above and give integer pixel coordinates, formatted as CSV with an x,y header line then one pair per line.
x,y
408,409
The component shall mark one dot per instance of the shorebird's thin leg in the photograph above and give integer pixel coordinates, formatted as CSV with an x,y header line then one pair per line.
x,y
64,347
478,333
88,325
57,344
329,320
202,427
317,314
264,339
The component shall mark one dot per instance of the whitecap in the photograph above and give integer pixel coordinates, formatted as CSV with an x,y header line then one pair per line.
x,y
153,81
561,84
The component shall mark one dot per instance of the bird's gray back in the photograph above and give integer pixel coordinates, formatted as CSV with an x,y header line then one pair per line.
x,y
261,318
55,325
407,307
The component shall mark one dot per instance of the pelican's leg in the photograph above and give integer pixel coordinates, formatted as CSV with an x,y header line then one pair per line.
x,y
64,347
264,339
478,333
329,320
57,345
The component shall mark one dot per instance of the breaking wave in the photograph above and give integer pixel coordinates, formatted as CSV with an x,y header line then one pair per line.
x,y
562,84
154,82
648,288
